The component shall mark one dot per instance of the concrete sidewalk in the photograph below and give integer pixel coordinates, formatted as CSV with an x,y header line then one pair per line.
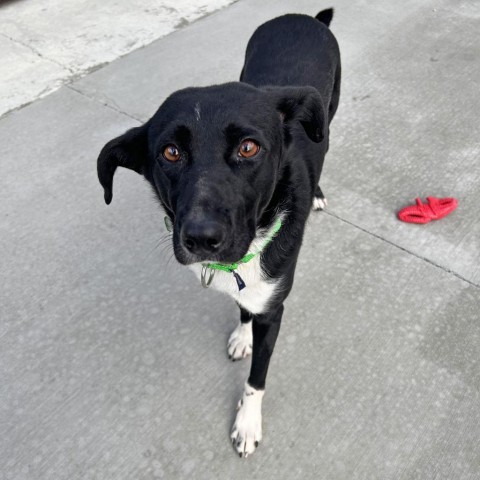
x,y
46,44
112,357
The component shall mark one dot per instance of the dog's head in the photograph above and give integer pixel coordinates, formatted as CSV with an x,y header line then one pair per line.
x,y
213,156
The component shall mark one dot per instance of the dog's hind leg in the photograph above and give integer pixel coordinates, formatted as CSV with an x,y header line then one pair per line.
x,y
332,108
319,200
241,340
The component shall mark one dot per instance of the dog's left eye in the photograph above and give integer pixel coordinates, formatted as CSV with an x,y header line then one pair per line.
x,y
248,149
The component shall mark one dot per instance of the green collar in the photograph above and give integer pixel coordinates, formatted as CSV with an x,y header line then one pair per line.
x,y
231,267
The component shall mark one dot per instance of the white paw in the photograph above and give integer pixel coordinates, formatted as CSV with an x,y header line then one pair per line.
x,y
240,342
319,203
247,429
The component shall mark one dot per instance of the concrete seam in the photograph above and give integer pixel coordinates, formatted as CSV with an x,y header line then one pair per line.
x,y
36,52
445,269
104,104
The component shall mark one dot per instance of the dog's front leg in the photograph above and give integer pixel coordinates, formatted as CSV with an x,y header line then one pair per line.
x,y
240,343
247,429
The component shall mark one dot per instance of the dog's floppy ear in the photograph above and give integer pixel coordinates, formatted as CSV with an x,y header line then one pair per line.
x,y
129,150
303,104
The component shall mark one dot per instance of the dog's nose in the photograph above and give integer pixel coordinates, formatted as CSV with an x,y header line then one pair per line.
x,y
203,237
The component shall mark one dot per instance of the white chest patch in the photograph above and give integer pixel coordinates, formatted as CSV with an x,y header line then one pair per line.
x,y
259,290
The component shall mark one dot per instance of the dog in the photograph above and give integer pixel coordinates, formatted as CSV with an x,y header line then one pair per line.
x,y
236,170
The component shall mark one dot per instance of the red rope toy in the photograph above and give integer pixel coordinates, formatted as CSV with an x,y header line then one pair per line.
x,y
435,209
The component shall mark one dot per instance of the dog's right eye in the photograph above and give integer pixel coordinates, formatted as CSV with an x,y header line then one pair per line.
x,y
171,153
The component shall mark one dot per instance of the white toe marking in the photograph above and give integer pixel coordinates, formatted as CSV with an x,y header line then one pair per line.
x,y
247,429
240,341
319,203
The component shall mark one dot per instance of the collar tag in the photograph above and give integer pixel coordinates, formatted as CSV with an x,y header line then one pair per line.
x,y
240,283
207,281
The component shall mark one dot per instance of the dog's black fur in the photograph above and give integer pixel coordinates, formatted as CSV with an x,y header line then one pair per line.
x,y
217,200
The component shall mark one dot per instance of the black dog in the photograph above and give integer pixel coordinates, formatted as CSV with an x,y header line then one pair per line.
x,y
236,170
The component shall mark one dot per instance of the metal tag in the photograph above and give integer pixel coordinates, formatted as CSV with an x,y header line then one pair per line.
x,y
206,282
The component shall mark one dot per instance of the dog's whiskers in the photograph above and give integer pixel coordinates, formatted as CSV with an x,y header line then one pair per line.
x,y
170,259
165,240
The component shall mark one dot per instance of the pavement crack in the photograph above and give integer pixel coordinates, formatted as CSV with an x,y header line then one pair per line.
x,y
36,52
105,104
383,239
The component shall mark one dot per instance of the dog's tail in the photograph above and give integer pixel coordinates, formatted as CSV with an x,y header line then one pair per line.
x,y
325,16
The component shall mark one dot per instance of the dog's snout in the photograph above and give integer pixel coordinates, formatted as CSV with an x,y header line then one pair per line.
x,y
203,236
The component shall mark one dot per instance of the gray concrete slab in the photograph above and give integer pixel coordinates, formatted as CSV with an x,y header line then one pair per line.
x,y
113,358
43,44
212,50
24,75
408,127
